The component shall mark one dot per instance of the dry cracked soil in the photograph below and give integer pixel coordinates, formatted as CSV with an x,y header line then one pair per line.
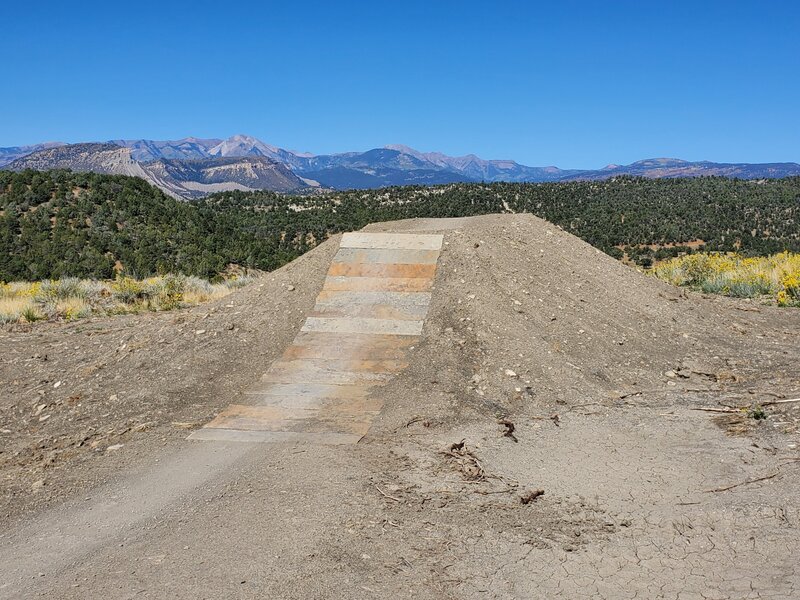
x,y
567,428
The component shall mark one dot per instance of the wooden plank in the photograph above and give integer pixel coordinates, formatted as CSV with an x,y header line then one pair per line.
x,y
331,346
403,241
361,325
289,372
233,435
393,270
346,297
370,311
340,364
386,255
369,404
376,284
316,390
278,418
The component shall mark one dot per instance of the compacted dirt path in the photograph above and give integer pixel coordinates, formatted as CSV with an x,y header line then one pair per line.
x,y
543,442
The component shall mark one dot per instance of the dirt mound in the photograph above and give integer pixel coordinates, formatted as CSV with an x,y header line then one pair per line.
x,y
526,315
544,365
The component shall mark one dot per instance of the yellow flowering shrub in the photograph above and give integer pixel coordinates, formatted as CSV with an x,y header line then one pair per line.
x,y
72,298
731,274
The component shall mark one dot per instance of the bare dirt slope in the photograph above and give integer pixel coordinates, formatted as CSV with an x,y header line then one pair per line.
x,y
597,369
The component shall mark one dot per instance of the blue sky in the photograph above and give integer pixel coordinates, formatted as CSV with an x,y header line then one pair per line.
x,y
574,84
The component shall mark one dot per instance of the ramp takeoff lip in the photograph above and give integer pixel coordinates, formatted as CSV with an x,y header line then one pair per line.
x,y
325,388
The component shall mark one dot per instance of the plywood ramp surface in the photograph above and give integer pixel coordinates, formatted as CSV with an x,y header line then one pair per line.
x,y
326,386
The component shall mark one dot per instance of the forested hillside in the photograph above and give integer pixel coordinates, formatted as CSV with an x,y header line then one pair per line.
x,y
59,223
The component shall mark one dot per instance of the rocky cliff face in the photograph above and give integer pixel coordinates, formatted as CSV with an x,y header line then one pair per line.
x,y
196,178
180,178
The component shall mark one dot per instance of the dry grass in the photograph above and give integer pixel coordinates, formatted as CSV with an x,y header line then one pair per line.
x,y
71,298
775,277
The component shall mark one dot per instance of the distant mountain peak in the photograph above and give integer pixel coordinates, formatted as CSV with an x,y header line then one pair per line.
x,y
244,145
660,162
394,164
402,148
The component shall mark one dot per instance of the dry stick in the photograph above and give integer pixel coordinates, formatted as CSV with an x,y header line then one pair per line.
x,y
584,405
486,493
765,393
735,409
747,482
385,494
771,402
409,424
640,392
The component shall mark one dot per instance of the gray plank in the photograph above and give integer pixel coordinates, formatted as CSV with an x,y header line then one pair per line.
x,y
403,241
361,325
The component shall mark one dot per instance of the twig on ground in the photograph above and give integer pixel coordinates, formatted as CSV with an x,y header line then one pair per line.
x,y
736,409
639,393
486,493
741,483
385,494
574,406
510,427
771,402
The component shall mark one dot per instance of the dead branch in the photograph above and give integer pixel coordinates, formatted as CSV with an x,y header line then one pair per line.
x,y
771,402
741,483
385,494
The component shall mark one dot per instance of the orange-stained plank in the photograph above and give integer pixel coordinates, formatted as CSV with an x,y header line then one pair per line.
x,y
344,269
377,284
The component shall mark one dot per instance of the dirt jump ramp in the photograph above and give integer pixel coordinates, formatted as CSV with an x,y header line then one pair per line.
x,y
369,313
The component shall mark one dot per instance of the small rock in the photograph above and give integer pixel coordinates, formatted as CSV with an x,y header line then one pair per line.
x,y
671,374
37,485
290,288
530,496
200,332
114,447
113,398
510,373
43,418
57,384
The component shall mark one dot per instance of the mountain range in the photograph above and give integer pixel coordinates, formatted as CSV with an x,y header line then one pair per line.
x,y
193,167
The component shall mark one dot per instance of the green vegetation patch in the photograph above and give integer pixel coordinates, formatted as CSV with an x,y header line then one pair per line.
x,y
59,224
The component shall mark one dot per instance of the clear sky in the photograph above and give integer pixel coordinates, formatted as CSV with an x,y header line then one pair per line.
x,y
568,83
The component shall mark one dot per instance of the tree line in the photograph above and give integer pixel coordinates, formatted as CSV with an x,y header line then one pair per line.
x,y
60,223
